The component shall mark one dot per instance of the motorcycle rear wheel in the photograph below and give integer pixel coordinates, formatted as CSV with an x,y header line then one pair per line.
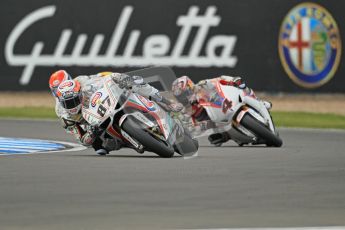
x,y
132,127
261,130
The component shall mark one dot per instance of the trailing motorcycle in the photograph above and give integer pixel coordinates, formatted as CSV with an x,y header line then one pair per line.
x,y
233,112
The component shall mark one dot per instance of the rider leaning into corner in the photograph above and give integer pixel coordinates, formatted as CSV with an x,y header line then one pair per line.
x,y
190,95
71,95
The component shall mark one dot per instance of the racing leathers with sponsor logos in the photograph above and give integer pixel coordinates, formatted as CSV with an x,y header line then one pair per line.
x,y
192,95
75,124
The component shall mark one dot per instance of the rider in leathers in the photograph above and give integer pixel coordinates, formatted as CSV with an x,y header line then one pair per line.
x,y
73,121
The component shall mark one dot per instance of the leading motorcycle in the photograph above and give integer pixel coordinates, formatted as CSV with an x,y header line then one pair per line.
x,y
136,121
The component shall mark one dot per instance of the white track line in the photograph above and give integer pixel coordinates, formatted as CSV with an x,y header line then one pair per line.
x,y
282,228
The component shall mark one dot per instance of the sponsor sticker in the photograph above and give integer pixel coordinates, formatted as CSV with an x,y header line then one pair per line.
x,y
309,45
95,99
66,84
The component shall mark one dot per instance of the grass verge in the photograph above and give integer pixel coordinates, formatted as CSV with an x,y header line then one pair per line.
x,y
286,119
308,120
28,112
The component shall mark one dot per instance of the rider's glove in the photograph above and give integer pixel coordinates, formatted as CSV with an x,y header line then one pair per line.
x,y
123,80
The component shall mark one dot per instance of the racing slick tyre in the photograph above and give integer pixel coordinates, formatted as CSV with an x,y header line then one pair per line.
x,y
188,146
130,125
261,131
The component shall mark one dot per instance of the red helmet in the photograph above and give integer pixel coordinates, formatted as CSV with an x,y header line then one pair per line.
x,y
70,96
183,90
56,79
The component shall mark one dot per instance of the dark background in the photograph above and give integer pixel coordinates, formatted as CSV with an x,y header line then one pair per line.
x,y
255,23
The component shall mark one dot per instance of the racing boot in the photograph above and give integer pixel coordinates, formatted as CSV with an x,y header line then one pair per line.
x,y
98,147
102,152
218,138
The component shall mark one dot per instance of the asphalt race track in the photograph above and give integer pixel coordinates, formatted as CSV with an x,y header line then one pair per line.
x,y
300,184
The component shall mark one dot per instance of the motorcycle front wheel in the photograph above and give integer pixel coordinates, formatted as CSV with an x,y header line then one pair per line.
x,y
132,127
261,131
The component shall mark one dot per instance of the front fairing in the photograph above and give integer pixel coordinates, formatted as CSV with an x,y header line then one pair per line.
x,y
152,117
102,103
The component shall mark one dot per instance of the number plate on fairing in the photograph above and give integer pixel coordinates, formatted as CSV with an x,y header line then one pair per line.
x,y
98,110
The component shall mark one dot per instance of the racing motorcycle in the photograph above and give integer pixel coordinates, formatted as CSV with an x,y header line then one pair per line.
x,y
234,112
136,122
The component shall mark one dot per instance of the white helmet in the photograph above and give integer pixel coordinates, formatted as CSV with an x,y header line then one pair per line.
x,y
70,96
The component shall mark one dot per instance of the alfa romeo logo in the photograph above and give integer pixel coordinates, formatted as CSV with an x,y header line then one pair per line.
x,y
309,45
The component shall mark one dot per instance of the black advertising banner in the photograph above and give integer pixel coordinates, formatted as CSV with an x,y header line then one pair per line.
x,y
275,45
